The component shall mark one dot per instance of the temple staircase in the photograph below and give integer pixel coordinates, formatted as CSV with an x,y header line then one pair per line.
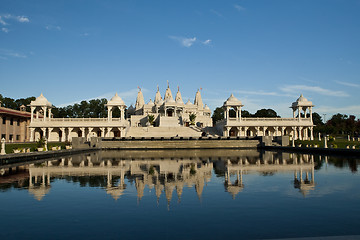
x,y
164,132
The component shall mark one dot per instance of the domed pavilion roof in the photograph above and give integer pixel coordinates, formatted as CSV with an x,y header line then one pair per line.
x,y
115,101
302,102
40,101
232,101
150,103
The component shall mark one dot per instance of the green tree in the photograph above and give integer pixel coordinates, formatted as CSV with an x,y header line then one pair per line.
x,y
218,114
192,119
266,113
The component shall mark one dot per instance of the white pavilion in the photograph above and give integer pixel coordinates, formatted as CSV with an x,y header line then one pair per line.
x,y
300,127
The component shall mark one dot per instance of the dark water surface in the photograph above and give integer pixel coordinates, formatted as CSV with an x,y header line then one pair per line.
x,y
240,194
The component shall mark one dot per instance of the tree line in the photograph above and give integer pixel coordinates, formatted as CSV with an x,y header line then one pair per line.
x,y
338,124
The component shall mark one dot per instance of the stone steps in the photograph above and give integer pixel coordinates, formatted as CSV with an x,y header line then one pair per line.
x,y
163,132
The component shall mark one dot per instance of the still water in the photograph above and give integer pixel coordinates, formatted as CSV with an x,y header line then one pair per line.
x,y
208,194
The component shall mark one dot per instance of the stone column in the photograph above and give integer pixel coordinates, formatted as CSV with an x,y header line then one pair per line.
x,y
109,113
294,136
311,119
276,131
237,114
2,147
49,113
102,131
44,132
264,130
63,134
245,129
283,131
257,131
300,133
44,109
108,131
82,131
311,133
299,113
69,133
49,130
32,113
122,114
88,135
32,130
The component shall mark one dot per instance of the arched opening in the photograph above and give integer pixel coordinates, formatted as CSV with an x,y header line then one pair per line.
x,y
169,112
233,132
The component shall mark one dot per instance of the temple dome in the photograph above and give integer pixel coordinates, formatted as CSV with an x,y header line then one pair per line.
x,y
206,107
188,103
116,101
302,102
41,101
150,103
232,101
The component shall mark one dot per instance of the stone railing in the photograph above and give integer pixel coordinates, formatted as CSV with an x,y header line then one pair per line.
x,y
270,119
77,120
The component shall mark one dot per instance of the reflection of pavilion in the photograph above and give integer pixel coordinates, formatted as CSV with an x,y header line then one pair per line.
x,y
301,165
163,175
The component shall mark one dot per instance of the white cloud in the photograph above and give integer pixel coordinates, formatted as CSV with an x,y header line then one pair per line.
x,y
10,17
348,84
188,42
316,89
50,27
263,93
10,53
353,109
239,8
22,19
84,34
2,22
206,42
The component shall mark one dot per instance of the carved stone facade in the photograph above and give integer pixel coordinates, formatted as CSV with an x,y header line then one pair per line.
x,y
299,127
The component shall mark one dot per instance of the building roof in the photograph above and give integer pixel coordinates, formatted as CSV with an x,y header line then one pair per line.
x,y
40,101
12,112
115,101
232,101
302,102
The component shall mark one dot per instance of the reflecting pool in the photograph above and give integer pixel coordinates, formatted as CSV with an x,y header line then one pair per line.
x,y
196,194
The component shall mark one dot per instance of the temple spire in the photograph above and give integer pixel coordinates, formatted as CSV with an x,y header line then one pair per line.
x,y
168,95
178,98
198,100
140,102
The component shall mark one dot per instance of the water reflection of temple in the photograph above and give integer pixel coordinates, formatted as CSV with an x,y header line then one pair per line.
x,y
163,175
167,172
269,164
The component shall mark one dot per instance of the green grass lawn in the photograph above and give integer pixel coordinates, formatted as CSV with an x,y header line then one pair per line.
x,y
9,147
337,143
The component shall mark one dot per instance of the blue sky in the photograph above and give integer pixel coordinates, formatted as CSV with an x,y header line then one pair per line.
x,y
266,52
